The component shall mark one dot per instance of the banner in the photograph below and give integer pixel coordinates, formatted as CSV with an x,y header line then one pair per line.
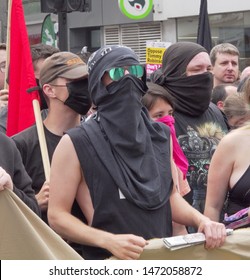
x,y
204,34
154,54
48,35
21,74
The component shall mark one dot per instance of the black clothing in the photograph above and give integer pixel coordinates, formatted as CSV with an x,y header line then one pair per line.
x,y
198,138
239,195
27,143
199,124
11,162
112,211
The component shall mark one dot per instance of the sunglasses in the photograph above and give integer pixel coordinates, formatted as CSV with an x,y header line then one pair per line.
x,y
117,73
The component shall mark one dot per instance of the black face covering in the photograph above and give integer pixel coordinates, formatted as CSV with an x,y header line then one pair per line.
x,y
79,99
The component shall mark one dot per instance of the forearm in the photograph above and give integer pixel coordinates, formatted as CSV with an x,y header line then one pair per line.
x,y
72,229
184,213
212,213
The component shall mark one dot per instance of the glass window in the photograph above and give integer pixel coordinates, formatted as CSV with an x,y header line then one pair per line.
x,y
232,27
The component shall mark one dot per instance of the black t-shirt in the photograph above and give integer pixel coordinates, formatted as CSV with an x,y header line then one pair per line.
x,y
198,138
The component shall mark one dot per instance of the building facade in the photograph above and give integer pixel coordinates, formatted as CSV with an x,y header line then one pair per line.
x,y
169,21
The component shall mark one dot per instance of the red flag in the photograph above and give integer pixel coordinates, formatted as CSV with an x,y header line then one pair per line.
x,y
21,74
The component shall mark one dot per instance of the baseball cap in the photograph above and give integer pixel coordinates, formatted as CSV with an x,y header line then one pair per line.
x,y
62,64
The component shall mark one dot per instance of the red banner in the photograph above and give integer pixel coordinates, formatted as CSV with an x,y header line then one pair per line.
x,y
21,74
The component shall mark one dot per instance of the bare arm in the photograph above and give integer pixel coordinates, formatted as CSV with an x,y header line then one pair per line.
x,y
66,183
219,174
184,213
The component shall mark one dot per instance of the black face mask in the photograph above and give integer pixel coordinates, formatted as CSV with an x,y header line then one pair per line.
x,y
79,98
42,98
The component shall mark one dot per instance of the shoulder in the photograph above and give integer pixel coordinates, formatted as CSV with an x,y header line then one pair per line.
x,y
29,134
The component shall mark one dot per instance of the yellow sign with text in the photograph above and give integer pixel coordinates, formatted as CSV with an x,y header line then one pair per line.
x,y
154,55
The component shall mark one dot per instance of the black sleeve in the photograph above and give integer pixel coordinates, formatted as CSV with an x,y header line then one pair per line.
x,y
23,183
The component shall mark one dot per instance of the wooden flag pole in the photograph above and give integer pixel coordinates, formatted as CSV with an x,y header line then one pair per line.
x,y
42,139
8,43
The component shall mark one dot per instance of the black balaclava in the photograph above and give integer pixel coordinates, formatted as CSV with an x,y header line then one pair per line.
x,y
191,94
139,146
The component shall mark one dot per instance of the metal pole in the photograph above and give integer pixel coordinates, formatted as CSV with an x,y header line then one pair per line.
x,y
63,31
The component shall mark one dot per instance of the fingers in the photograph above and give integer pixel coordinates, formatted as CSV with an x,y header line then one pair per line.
x,y
5,180
215,235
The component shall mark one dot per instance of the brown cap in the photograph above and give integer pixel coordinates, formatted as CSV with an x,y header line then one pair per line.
x,y
62,64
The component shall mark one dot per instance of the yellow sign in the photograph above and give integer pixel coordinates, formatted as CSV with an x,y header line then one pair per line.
x,y
154,55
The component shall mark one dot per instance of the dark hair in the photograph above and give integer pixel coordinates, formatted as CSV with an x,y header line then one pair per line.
x,y
219,94
153,93
3,46
42,51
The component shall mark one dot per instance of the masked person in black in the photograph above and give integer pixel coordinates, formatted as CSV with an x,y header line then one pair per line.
x,y
64,81
199,124
118,168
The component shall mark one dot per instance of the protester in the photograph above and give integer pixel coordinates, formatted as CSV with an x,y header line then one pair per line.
x,y
119,164
39,53
4,93
231,183
13,175
63,79
236,110
160,107
243,77
225,63
199,124
62,84
221,92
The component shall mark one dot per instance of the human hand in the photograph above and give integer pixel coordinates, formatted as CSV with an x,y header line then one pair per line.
x,y
4,97
126,246
5,180
43,196
215,233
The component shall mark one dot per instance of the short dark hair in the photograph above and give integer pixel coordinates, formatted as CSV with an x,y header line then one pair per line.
x,y
42,51
219,94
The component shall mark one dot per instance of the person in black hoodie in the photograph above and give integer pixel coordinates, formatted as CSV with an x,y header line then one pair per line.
x,y
199,124
13,175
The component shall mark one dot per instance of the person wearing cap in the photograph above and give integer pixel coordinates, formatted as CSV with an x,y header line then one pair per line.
x,y
63,79
119,163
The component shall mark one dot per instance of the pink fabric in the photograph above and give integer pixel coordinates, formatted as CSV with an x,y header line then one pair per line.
x,y
178,155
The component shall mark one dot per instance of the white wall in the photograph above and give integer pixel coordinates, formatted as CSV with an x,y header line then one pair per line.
x,y
181,8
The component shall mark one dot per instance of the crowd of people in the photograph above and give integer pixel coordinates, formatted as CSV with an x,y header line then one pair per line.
x,y
144,163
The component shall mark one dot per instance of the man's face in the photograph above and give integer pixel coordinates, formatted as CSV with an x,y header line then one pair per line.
x,y
226,68
3,57
199,64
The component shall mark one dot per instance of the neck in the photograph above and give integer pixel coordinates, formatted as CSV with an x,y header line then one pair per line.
x,y
58,123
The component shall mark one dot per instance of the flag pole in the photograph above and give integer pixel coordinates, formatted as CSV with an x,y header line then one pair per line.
x,y
42,139
8,43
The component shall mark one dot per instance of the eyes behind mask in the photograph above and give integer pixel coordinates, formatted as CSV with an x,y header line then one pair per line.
x,y
79,98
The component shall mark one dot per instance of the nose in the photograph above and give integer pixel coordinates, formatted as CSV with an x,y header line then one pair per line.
x,y
230,66
126,72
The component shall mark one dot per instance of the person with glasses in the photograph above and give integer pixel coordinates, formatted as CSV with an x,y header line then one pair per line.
x,y
117,165
63,79
4,93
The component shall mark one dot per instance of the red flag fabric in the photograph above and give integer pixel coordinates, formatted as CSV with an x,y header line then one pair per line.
x,y
21,74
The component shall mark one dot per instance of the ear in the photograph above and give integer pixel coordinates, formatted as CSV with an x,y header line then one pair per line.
x,y
220,105
48,90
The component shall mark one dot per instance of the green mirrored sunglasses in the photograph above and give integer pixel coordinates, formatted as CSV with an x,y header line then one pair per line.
x,y
117,73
